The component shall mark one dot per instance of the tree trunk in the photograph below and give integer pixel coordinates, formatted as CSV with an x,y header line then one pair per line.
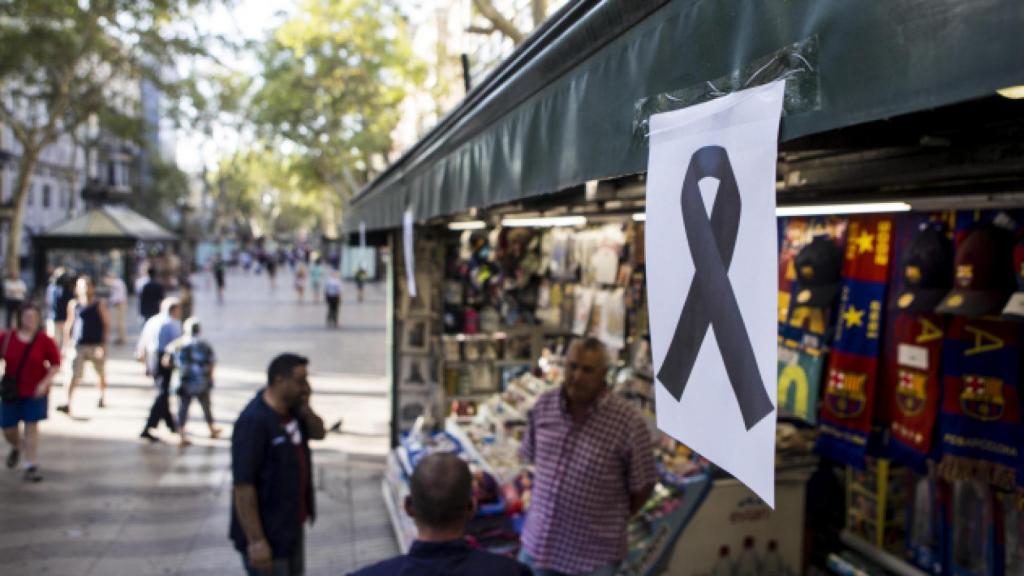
x,y
29,158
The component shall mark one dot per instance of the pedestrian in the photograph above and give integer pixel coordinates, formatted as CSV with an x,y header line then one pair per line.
x,y
31,362
59,292
118,303
271,265
441,504
300,281
15,291
185,297
594,468
87,329
273,486
332,293
316,278
360,281
158,333
195,360
151,295
218,277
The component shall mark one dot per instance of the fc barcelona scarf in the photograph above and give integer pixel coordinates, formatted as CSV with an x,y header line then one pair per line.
x,y
911,386
850,382
980,424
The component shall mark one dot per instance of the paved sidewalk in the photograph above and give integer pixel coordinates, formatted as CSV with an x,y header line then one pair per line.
x,y
111,504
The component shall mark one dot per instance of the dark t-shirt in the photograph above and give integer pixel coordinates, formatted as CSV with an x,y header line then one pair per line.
x,y
454,558
150,298
264,453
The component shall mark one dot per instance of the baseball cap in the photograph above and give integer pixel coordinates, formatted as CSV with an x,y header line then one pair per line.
x,y
927,270
1015,307
818,267
979,285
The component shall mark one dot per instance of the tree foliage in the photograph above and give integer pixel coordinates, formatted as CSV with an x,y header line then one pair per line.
x,y
68,64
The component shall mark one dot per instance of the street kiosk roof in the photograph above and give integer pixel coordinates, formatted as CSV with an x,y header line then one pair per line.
x,y
570,105
109,223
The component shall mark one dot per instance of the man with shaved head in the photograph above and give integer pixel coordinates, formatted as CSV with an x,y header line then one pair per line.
x,y
441,504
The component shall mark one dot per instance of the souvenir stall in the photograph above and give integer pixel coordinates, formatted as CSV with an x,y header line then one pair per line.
x,y
899,415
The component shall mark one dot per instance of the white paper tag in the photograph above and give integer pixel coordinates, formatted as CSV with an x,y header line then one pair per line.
x,y
912,356
1015,307
788,355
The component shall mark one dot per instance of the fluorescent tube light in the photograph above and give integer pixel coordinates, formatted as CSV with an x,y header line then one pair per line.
x,y
640,217
1012,92
467,225
544,222
824,209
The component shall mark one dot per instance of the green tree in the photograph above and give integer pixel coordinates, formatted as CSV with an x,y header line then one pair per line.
x,y
66,64
334,77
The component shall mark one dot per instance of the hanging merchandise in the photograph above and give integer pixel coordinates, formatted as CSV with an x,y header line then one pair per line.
x,y
1014,309
612,323
911,380
848,403
980,424
584,306
800,369
926,536
975,549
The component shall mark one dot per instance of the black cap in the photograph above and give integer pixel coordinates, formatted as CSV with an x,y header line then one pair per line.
x,y
927,270
818,267
981,284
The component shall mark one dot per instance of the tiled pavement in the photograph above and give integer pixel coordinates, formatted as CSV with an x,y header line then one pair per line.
x,y
112,505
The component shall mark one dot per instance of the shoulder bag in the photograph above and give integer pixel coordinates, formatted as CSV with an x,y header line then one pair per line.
x,y
9,384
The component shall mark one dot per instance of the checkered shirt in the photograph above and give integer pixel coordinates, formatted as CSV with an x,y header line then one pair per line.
x,y
584,476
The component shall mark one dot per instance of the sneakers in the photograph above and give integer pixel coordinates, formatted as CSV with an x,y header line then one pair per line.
x,y
65,409
147,436
32,475
215,432
12,458
101,404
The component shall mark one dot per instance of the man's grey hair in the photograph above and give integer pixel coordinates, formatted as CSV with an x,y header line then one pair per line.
x,y
170,302
591,344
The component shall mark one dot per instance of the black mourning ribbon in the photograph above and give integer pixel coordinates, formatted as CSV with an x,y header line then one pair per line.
x,y
711,300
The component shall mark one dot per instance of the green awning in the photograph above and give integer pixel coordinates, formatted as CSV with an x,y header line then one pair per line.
x,y
568,106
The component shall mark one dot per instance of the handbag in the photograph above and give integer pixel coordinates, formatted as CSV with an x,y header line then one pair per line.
x,y
9,384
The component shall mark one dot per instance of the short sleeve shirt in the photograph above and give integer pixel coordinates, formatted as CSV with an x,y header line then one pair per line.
x,y
195,364
41,358
584,475
264,455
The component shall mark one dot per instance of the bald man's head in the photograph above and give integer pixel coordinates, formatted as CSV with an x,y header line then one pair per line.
x,y
441,492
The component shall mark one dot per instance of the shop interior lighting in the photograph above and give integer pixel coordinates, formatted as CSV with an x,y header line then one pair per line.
x,y
467,225
640,217
1012,92
825,209
546,222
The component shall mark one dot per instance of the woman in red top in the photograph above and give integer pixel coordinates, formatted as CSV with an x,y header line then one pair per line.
x,y
27,345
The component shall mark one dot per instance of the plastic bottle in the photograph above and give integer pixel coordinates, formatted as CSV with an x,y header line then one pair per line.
x,y
772,564
747,563
722,567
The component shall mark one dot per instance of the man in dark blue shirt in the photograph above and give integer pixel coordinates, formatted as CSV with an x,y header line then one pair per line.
x,y
441,503
151,296
272,468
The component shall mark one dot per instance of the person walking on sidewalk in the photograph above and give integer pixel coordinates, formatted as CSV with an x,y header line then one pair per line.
x,y
158,333
272,468
441,504
31,362
87,329
59,292
332,293
118,303
195,360
15,290
300,281
150,296
360,282
316,278
218,277
594,468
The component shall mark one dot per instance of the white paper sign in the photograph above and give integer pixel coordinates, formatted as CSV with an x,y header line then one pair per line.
x,y
712,262
410,257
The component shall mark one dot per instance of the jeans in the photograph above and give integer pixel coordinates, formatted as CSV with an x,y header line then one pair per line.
x,y
185,400
527,560
295,565
161,409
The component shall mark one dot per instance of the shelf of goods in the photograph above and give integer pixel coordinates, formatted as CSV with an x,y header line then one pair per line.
x,y
489,442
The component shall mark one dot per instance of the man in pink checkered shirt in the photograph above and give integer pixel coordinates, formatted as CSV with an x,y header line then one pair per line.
x,y
594,468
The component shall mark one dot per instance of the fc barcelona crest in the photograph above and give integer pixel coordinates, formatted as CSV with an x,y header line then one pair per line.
x,y
911,392
982,397
845,395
